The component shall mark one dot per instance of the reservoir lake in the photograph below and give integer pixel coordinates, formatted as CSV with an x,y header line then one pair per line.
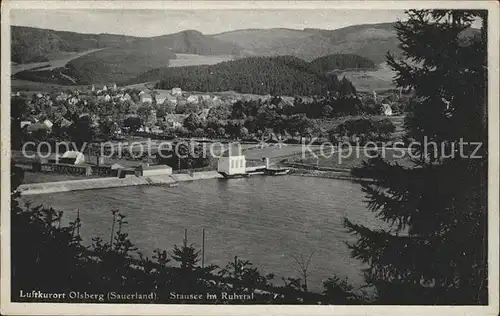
x,y
266,220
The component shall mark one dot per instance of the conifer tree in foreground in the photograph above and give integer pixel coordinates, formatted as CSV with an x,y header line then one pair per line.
x,y
434,249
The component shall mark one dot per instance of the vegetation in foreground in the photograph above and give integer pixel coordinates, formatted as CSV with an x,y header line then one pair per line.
x,y
50,257
435,251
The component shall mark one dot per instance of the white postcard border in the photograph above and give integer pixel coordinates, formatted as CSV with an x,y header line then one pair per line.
x,y
9,308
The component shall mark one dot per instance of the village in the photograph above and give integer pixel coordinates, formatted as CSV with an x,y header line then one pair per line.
x,y
147,110
48,109
125,115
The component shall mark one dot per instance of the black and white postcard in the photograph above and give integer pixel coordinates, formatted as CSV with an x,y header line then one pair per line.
x,y
250,157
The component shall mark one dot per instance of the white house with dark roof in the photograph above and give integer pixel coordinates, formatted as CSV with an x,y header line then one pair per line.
x,y
386,109
193,99
146,98
48,123
176,92
25,123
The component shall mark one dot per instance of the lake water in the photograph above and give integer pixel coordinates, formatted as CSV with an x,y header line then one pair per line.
x,y
266,220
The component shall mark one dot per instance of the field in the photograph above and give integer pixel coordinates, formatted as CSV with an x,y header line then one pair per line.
x,y
35,87
329,124
195,60
369,80
56,60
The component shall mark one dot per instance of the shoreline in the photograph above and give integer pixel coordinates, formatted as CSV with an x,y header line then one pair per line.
x,y
158,180
105,183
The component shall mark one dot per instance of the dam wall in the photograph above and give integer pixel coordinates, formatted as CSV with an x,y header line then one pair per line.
x,y
104,183
202,175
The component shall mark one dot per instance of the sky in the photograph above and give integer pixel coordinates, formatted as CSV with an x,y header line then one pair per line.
x,y
147,23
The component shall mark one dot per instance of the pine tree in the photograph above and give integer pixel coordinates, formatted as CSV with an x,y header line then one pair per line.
x,y
434,249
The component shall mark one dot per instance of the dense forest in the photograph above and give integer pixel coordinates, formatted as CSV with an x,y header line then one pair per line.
x,y
281,75
341,61
116,64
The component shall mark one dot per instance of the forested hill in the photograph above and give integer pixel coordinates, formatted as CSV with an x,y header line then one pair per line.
x,y
29,44
195,42
126,60
283,75
341,62
371,41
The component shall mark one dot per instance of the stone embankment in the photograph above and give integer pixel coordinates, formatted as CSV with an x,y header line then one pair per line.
x,y
105,183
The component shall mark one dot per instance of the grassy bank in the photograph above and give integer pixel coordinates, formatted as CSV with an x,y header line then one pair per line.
x,y
344,160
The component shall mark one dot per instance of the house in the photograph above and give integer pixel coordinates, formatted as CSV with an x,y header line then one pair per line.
x,y
72,157
32,119
63,122
94,118
106,98
160,99
146,98
175,120
386,109
123,97
36,127
25,123
176,92
116,166
62,96
193,99
73,100
48,123
285,102
156,130
205,97
171,99
216,101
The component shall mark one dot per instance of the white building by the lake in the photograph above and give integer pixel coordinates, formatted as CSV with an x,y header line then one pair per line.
x,y
230,165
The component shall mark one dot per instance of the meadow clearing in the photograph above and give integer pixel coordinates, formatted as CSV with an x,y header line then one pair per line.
x,y
56,60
